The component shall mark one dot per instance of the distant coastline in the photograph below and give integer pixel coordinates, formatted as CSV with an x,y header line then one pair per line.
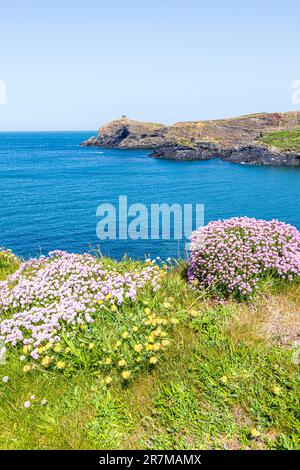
x,y
257,139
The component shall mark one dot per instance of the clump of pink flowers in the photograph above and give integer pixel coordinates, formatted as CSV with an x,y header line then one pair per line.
x,y
232,256
46,295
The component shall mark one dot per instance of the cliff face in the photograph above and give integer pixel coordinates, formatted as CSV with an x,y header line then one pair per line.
x,y
126,133
238,139
262,155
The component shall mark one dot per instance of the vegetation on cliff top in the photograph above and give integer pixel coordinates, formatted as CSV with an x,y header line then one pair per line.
x,y
8,263
226,377
284,140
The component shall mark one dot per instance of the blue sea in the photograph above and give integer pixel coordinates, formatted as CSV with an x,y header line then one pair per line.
x,y
50,188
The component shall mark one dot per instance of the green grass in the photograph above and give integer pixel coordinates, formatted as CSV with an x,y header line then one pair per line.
x,y
8,263
221,378
252,115
285,140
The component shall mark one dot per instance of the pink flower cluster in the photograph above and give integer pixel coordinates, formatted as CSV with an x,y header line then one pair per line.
x,y
44,295
233,255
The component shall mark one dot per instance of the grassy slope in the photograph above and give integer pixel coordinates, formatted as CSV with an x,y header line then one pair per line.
x,y
8,263
285,140
222,376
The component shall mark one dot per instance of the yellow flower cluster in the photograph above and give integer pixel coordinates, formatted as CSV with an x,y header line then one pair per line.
x,y
47,359
138,344
142,342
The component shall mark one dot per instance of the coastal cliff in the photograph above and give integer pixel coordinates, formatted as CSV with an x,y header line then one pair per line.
x,y
261,139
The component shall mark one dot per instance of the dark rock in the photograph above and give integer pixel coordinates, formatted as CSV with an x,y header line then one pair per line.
x,y
203,151
251,154
263,155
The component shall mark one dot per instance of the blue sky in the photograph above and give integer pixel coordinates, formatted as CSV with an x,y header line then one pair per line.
x,y
77,64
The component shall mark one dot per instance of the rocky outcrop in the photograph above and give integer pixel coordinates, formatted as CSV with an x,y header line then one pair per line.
x,y
126,133
262,155
251,155
203,151
234,139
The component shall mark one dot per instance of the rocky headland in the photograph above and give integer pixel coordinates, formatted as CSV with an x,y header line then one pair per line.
x,y
260,139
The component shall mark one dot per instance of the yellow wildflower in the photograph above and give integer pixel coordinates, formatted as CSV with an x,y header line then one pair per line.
x,y
254,433
163,334
57,348
126,374
117,345
60,365
138,348
135,328
107,380
26,368
277,390
149,347
147,311
174,321
121,363
194,313
67,350
125,335
224,379
153,360
91,346
46,361
108,361
108,296
156,347
165,342
27,348
114,308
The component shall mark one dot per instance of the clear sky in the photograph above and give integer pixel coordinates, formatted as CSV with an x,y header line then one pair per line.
x,y
77,64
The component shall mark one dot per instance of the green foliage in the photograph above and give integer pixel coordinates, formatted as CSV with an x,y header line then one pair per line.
x,y
8,263
285,140
211,388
